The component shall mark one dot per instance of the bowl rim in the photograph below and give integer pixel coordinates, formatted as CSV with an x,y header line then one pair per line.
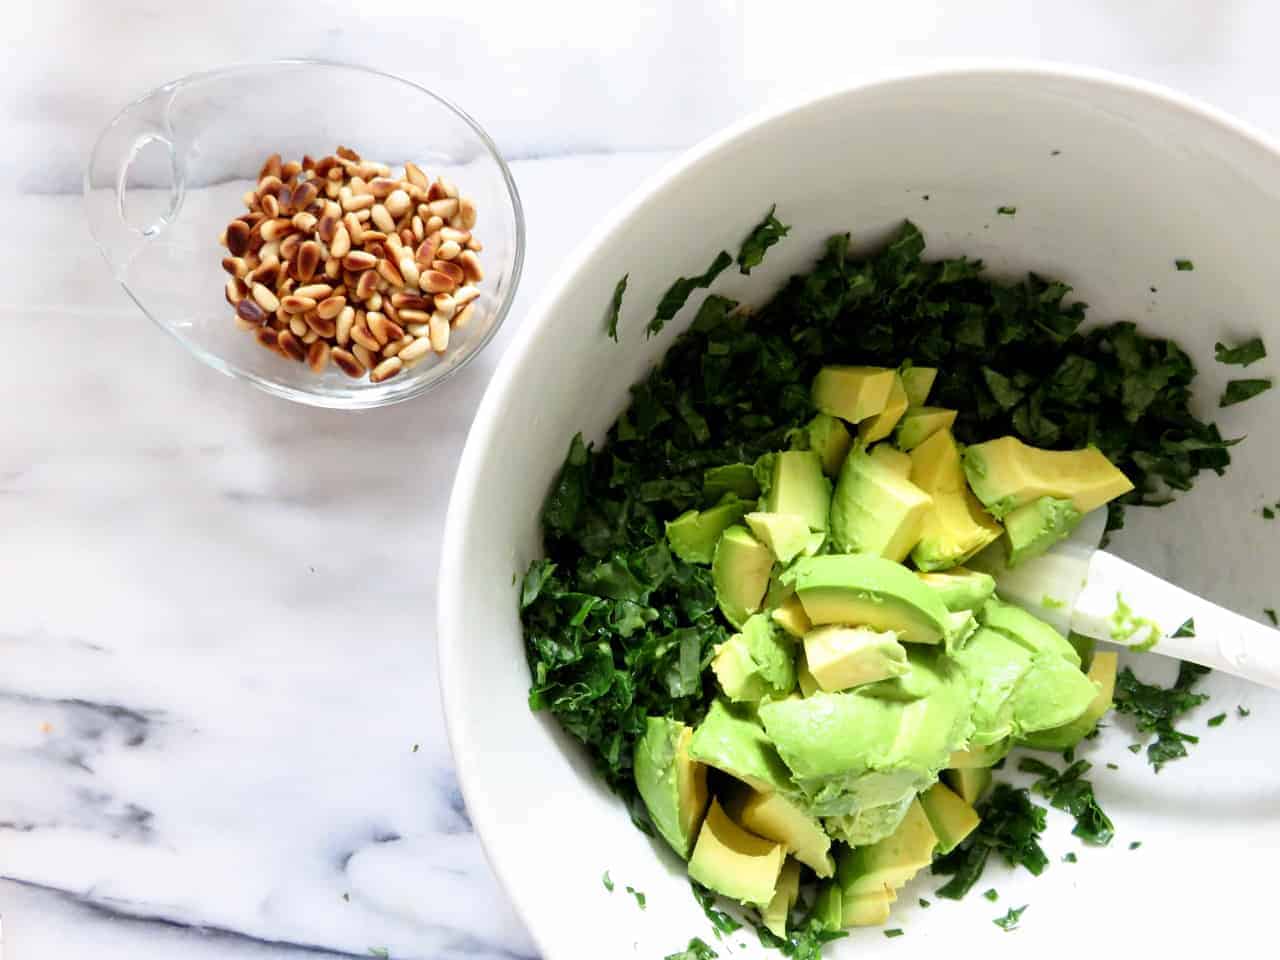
x,y
365,399
451,617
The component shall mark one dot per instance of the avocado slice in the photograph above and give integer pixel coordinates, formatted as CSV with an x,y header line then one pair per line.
x,y
774,817
881,424
869,824
993,664
1007,474
955,527
1027,630
868,909
980,757
786,534
740,568
804,679
875,509
871,591
756,663
951,818
843,657
693,535
894,459
790,616
1033,529
1053,693
829,438
852,393
918,381
672,785
961,588
969,783
733,862
918,424
1102,671
785,895
793,482
890,862
730,739
828,906
738,479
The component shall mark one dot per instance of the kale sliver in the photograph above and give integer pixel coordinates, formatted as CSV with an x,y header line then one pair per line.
x,y
1242,354
1155,709
763,236
615,307
678,293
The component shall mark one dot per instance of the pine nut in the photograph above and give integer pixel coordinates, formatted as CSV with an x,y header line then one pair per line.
x,y
358,260
298,327
270,205
269,252
393,348
398,203
318,356
386,370
267,337
439,334
415,351
467,213
236,266
474,244
409,270
450,269
413,173
419,231
346,153
276,229
463,316
433,281
324,326
316,291
434,224
353,204
250,199
414,316
382,218
305,194
418,329
237,238
308,260
361,336
248,311
390,273
304,221
346,318
291,169
333,268
297,304
364,354
291,345
347,363
445,306
384,329
470,264
359,188
443,208
447,185
410,301
354,228
340,245
271,167
383,187
457,236
367,285
330,307
448,250
266,299
268,274
426,252
310,337
235,290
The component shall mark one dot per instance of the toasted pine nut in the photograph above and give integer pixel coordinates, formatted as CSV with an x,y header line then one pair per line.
x,y
390,273
333,268
448,250
382,218
270,205
411,301
347,363
267,337
418,329
322,326
457,236
414,316
340,245
443,208
310,337
474,244
250,199
236,266
449,268
267,274
266,299
359,187
463,316
393,348
237,238
413,173
398,203
374,302
318,356
249,311
445,305
298,327
330,307
316,291
447,185
290,345
433,281
419,231
367,285
434,224
308,260
362,337
470,264
467,213
296,304
304,221
366,356
276,229
354,204
269,252
409,270
465,294
426,252
386,369
305,194
415,351
383,187
439,334
342,332
270,167
359,260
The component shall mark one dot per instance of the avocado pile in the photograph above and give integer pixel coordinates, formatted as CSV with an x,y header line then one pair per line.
x,y
873,679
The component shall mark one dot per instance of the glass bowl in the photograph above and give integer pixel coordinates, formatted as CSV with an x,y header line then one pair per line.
x,y
168,173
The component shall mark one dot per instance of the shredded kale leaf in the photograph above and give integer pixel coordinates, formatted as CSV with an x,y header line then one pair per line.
x,y
1184,265
615,307
1068,790
722,922
680,291
1155,709
763,236
804,941
1238,391
697,950
1246,353
1011,826
1188,628
1217,720
1010,920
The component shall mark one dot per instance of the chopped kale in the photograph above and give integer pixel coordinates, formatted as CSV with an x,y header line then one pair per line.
x,y
1238,391
894,932
615,307
1068,790
1155,709
991,894
1010,920
607,881
1243,711
1188,628
1246,353
765,234
1134,845
1184,265
697,950
1070,858
722,922
1006,211
1011,826
1271,615
679,292
1218,720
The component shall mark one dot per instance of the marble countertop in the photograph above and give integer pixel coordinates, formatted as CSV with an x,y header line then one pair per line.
x,y
220,733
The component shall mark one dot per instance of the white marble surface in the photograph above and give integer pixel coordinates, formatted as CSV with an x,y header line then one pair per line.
x,y
216,636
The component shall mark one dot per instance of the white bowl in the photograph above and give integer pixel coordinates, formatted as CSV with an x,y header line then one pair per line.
x,y
1143,177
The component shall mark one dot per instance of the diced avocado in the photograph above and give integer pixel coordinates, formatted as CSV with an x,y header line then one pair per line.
x,y
756,663
918,381
962,625
1085,648
693,535
875,510
951,818
733,862
790,616
993,665
1053,693
1028,631
673,786
793,482
852,393
786,534
865,590
961,588
980,756
895,460
740,568
736,478
868,909
829,438
1033,529
1103,673
730,739
804,679
1007,474
955,527
890,862
970,783
828,906
918,424
843,657
785,896
772,816
881,425
869,824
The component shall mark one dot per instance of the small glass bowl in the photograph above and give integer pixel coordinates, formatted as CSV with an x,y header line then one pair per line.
x,y
167,175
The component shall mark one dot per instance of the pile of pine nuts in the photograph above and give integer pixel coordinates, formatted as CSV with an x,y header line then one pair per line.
x,y
339,260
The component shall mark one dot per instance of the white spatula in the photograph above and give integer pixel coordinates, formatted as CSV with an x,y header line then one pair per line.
x,y
1077,587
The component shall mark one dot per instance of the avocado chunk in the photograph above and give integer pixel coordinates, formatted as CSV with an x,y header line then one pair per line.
x,y
790,616
993,664
980,757
693,535
970,783
1007,474
730,739
786,534
955,527
733,862
890,862
829,438
918,424
895,460
785,896
1033,529
793,482
868,909
852,393
1028,631
758,662
673,786
804,679
774,817
828,906
738,479
869,824
961,588
881,425
918,381
740,569
1102,671
1053,693
865,590
875,509
951,818
844,657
